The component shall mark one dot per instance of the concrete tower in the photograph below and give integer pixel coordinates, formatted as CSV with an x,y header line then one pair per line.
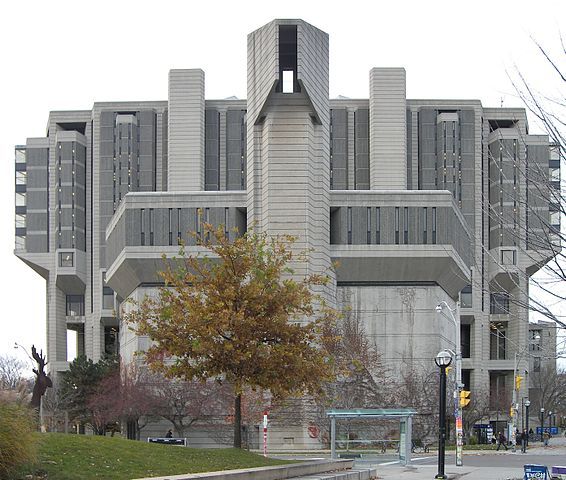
x,y
288,137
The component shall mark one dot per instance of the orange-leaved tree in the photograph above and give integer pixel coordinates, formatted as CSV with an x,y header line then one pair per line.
x,y
231,311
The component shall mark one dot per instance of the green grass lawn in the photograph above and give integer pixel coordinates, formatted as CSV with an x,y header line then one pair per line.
x,y
81,457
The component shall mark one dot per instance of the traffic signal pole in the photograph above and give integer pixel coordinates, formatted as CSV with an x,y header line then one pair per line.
x,y
459,386
513,411
458,362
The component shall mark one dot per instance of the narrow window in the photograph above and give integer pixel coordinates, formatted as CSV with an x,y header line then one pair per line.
x,y
349,225
170,226
226,226
179,237
288,81
207,220
406,225
377,225
287,59
397,225
151,226
454,142
434,225
142,225
425,225
368,220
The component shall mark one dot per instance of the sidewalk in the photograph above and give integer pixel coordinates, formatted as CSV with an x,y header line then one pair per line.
x,y
467,473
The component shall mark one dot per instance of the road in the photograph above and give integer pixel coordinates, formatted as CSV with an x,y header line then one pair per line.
x,y
478,465
484,465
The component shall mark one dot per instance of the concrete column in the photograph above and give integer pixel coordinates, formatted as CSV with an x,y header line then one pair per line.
x,y
388,129
186,130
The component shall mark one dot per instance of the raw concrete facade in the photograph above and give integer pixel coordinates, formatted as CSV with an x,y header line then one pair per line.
x,y
419,202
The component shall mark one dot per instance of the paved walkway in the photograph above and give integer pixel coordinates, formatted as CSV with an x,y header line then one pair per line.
x,y
556,452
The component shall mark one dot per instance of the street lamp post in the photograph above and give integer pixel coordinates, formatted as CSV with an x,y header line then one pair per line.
x,y
442,360
527,405
458,362
541,423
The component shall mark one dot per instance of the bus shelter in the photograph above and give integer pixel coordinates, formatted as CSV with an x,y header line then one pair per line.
x,y
404,415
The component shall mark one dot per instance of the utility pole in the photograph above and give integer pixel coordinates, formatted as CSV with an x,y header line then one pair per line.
x,y
459,385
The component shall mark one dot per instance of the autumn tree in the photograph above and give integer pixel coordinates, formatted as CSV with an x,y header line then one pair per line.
x,y
233,313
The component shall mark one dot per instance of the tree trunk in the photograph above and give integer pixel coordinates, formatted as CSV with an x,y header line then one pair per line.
x,y
238,421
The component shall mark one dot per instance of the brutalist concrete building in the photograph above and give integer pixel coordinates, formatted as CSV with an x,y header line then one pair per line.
x,y
418,201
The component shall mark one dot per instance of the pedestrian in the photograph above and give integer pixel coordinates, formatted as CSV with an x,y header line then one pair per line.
x,y
501,440
545,438
169,434
524,439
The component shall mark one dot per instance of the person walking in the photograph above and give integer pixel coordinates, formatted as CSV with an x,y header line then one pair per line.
x,y
501,440
545,438
524,437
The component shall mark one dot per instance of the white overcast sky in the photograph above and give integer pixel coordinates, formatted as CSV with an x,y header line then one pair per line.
x,y
64,55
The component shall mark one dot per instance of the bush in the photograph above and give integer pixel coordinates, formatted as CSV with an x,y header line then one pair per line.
x,y
17,439
473,440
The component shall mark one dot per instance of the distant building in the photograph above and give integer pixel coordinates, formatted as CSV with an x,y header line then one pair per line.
x,y
420,201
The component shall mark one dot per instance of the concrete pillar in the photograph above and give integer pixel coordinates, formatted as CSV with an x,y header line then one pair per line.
x,y
186,130
388,129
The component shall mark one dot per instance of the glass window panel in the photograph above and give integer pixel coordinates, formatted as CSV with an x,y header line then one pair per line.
x,y
108,301
499,304
75,305
20,221
20,199
20,156
466,297
20,243
21,178
66,259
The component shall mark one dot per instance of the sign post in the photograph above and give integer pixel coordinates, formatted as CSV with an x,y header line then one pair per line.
x,y
265,433
459,435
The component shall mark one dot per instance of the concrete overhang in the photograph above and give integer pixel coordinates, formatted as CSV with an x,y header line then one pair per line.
x,y
139,265
72,280
42,263
438,264
532,261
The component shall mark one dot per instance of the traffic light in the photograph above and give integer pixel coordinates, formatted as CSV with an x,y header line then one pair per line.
x,y
464,398
512,411
518,380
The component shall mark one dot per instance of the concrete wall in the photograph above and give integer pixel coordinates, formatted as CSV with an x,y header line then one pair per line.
x,y
401,320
